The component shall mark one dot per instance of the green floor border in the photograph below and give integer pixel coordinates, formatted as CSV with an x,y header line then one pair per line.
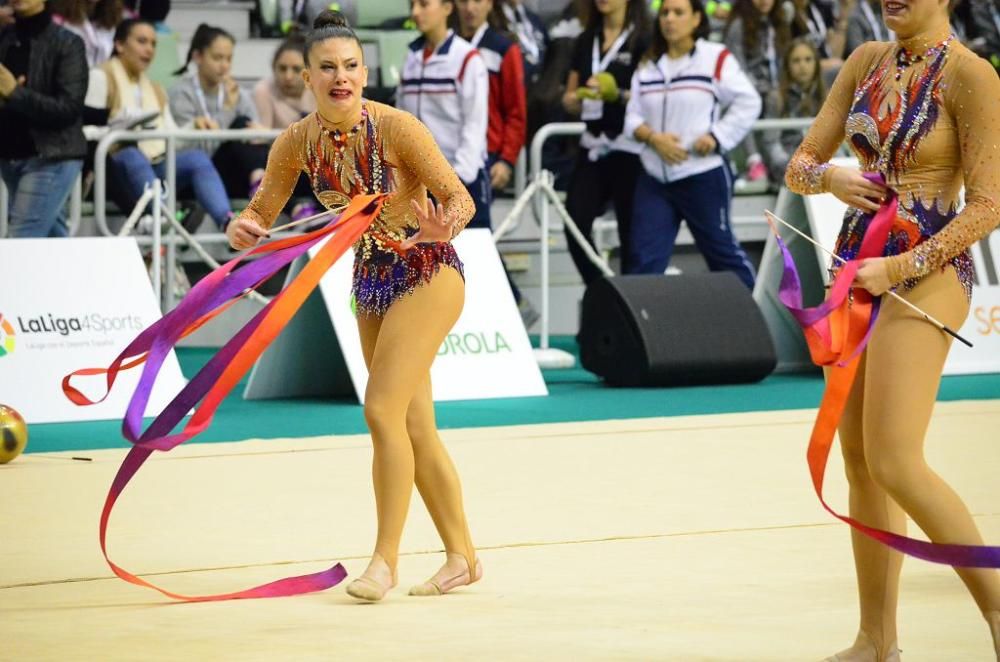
x,y
574,395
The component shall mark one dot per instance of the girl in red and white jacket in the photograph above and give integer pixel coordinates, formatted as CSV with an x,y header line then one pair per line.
x,y
484,27
446,86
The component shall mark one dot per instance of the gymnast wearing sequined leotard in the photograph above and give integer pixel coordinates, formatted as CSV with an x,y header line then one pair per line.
x,y
408,286
922,112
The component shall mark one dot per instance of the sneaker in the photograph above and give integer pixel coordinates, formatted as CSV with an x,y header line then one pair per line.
x,y
756,170
192,217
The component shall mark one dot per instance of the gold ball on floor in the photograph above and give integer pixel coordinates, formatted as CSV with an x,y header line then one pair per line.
x,y
13,434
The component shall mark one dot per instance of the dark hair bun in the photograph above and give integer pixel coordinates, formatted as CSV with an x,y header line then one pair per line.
x,y
328,18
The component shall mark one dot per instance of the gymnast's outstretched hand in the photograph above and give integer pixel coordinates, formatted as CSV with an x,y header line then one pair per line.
x,y
435,226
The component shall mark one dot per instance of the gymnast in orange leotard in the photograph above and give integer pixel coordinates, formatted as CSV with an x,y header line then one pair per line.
x,y
922,112
408,286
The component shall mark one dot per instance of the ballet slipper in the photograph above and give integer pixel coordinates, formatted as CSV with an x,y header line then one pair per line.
x,y
865,650
368,588
433,586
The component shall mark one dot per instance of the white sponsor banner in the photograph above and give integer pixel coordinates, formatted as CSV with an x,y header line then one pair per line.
x,y
67,304
486,355
982,327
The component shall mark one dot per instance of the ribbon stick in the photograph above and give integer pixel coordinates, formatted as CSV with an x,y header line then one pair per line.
x,y
927,316
209,297
837,332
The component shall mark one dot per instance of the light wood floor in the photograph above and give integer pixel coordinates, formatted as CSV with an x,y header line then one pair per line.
x,y
693,538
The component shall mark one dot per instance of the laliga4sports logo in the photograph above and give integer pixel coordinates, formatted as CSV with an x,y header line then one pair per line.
x,y
48,324
6,336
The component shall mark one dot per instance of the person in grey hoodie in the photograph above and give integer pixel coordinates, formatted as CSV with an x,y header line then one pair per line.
x,y
209,98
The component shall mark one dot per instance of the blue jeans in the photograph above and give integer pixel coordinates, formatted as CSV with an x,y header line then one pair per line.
x,y
194,170
38,190
704,201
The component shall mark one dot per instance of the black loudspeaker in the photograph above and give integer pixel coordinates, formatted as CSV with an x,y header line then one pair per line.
x,y
673,331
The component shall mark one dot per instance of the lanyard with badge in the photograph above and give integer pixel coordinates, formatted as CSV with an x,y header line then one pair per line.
x,y
818,29
525,29
202,101
772,55
817,24
593,109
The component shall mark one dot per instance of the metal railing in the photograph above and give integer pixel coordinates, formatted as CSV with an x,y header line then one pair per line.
x,y
171,137
172,238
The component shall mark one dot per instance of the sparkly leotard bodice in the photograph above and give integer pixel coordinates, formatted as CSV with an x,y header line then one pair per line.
x,y
927,128
388,151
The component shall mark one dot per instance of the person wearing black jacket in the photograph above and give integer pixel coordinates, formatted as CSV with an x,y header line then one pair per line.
x,y
43,82
606,55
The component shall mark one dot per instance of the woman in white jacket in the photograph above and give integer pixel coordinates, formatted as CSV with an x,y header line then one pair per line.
x,y
675,109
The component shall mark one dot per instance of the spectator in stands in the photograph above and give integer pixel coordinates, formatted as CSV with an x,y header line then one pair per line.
x,y
800,94
532,37
282,98
210,98
606,55
546,94
479,23
94,21
482,26
865,23
757,34
43,82
445,84
826,32
132,93
690,103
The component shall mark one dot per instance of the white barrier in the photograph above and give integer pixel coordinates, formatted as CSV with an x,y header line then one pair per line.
x,y
67,305
486,355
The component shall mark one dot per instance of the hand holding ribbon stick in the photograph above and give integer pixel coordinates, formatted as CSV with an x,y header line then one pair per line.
x,y
930,318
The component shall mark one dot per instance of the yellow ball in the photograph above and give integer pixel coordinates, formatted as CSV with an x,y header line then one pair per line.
x,y
13,434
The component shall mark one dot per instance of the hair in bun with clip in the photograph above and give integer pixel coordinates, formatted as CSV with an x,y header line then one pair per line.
x,y
329,24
